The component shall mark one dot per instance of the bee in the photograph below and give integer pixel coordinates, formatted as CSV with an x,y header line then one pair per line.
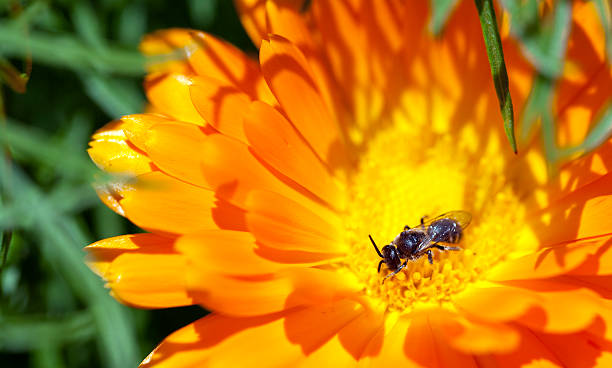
x,y
412,243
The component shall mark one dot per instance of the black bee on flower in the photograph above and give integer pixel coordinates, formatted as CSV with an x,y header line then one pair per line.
x,y
413,243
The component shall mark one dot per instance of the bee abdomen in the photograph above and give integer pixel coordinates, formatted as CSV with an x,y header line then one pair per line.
x,y
445,230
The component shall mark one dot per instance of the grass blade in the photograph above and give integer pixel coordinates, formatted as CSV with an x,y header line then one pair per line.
x,y
441,10
495,53
603,8
61,242
68,52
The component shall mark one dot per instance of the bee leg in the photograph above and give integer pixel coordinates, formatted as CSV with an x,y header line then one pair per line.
x,y
429,256
396,271
423,221
406,227
380,264
444,247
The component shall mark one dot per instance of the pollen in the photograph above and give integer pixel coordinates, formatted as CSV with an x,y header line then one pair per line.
x,y
401,178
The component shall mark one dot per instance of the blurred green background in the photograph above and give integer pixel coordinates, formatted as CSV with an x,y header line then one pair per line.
x,y
85,72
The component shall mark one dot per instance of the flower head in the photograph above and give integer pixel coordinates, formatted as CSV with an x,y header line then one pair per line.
x,y
259,183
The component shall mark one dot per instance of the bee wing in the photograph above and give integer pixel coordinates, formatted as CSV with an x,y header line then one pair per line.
x,y
463,218
425,244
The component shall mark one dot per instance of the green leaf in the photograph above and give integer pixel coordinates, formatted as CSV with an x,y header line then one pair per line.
x,y
603,9
21,333
544,41
87,24
61,241
202,13
33,143
6,235
441,10
133,23
538,102
115,96
67,52
601,132
495,53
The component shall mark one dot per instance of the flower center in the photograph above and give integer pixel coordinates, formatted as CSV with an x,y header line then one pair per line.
x,y
402,177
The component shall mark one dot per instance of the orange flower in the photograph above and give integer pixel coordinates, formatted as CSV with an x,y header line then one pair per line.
x,y
260,182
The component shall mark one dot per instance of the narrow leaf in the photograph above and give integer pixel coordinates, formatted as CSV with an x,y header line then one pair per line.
x,y
539,100
599,134
441,9
543,40
61,241
603,8
115,96
495,53
68,52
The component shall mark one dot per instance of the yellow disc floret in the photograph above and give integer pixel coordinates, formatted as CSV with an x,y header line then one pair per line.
x,y
401,178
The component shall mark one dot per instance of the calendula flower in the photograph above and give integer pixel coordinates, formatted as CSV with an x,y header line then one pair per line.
x,y
259,182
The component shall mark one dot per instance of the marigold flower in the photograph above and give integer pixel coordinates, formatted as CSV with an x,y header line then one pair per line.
x,y
259,184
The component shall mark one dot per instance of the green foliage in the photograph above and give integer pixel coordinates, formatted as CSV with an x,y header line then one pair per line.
x,y
490,32
543,37
441,10
67,68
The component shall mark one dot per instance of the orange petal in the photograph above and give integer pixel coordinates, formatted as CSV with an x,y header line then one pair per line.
x,y
244,296
296,257
413,341
284,338
232,171
177,150
345,41
166,45
588,256
286,21
111,151
363,45
576,174
472,336
577,114
225,252
169,93
478,300
540,305
253,16
165,41
585,84
220,104
103,252
550,315
136,127
142,270
110,198
149,280
579,215
576,350
288,75
158,202
218,162
276,141
532,352
346,347
289,226
221,61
